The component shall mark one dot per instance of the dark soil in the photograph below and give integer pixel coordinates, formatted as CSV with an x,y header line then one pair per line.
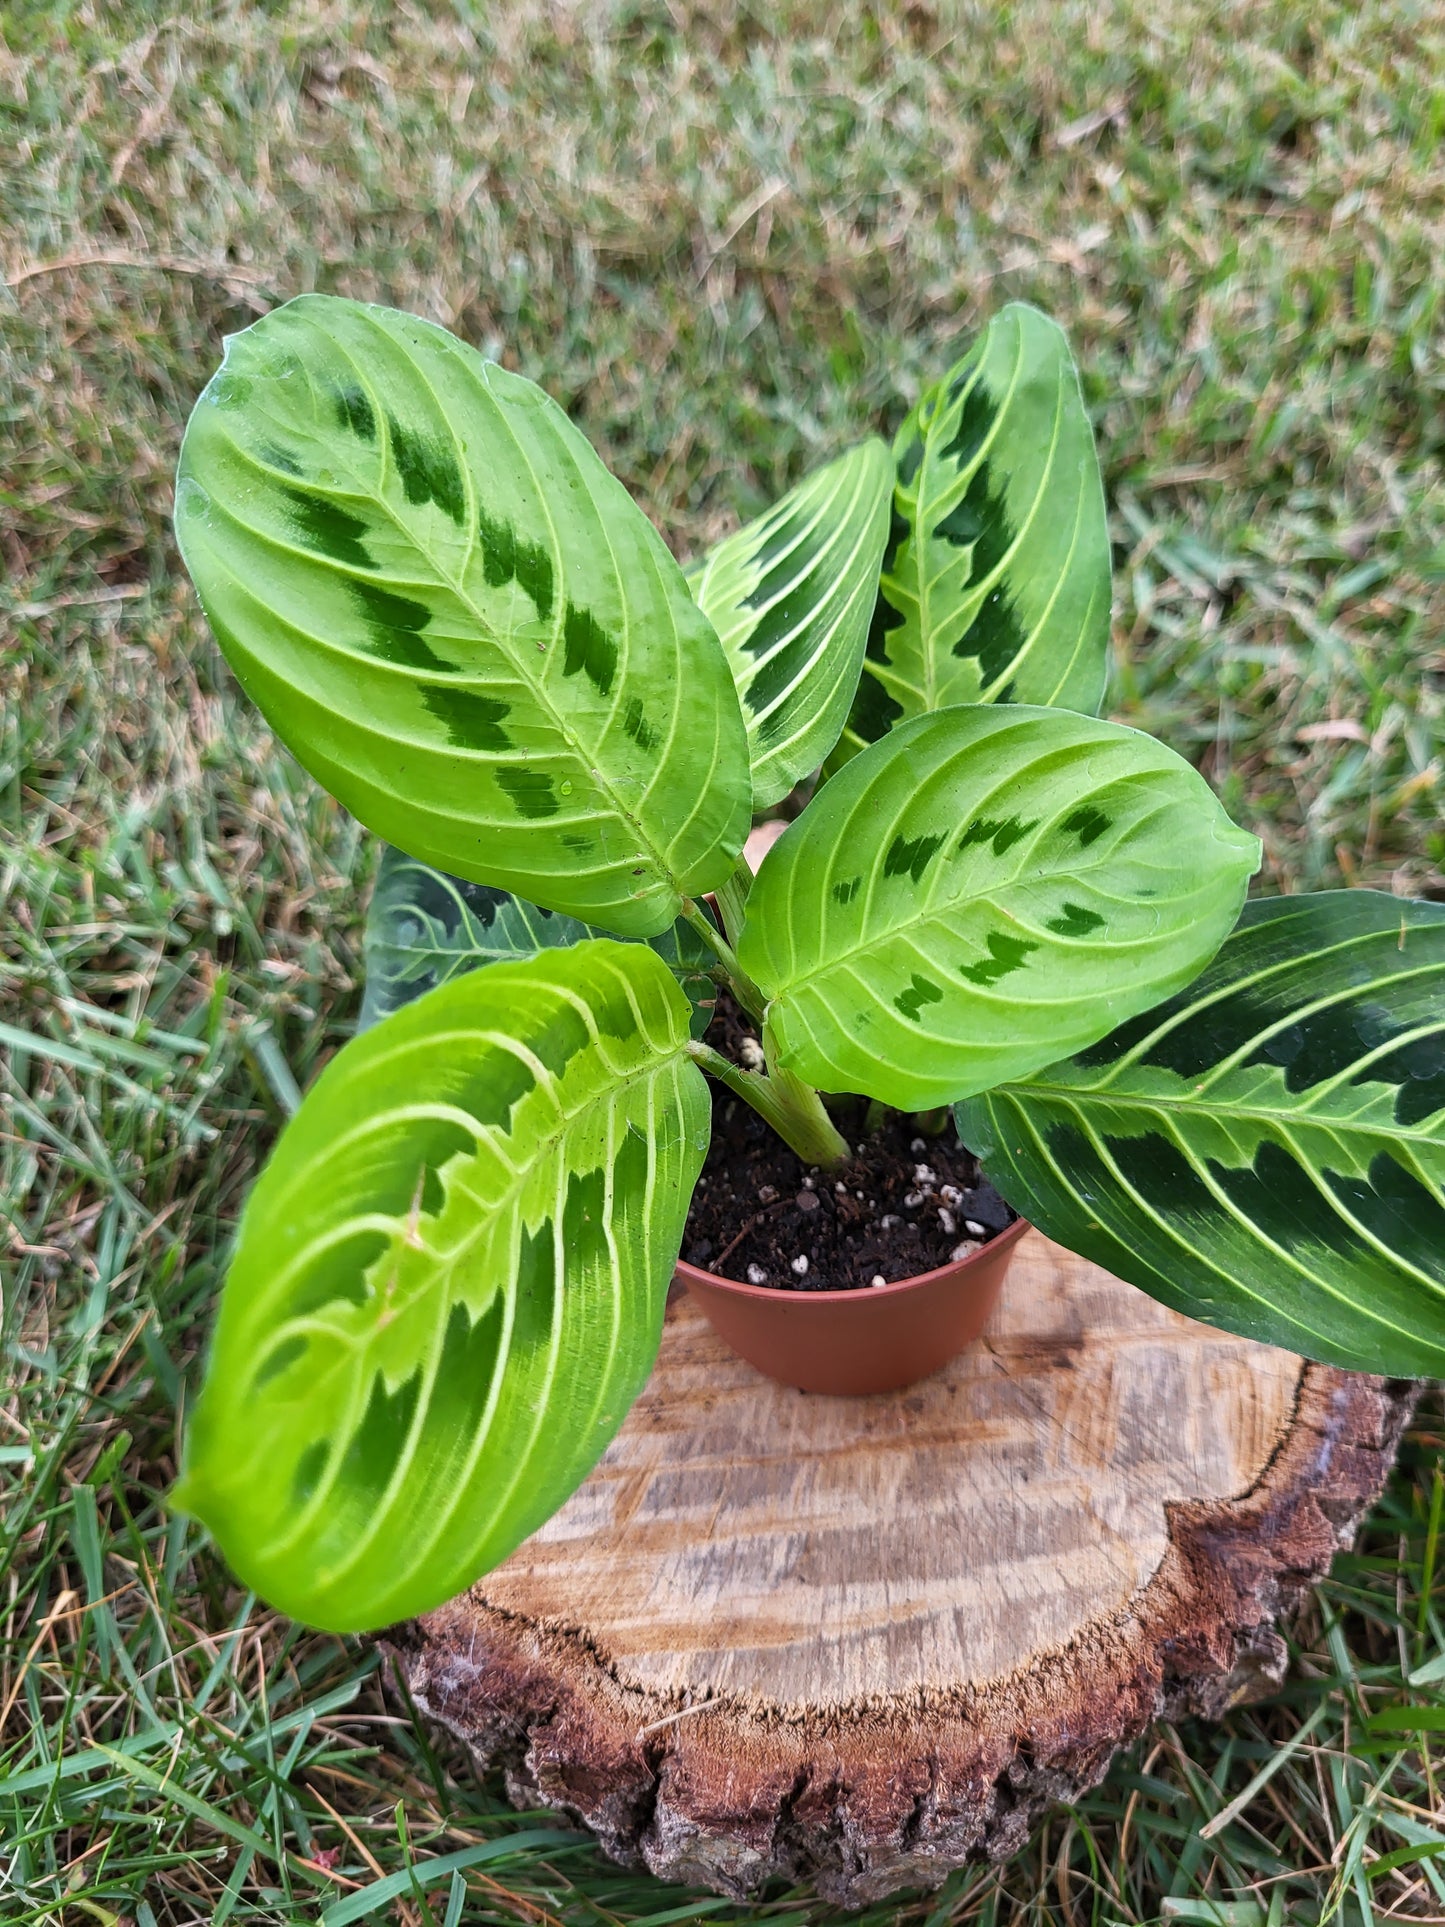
x,y
908,1201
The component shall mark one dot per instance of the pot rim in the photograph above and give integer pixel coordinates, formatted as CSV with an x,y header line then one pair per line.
x,y
869,1294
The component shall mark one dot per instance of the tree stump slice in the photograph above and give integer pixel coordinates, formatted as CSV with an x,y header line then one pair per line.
x,y
858,1641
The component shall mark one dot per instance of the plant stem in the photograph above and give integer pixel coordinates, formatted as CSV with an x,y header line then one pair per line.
x,y
739,982
793,1109
732,898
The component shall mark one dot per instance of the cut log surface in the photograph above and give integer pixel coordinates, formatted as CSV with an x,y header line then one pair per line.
x,y
859,1641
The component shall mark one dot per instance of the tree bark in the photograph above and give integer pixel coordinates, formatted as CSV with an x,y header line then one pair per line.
x,y
860,1641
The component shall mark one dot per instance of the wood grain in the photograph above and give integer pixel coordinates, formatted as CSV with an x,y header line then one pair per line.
x,y
863,1639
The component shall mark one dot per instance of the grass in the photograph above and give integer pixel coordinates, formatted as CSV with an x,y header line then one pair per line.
x,y
729,238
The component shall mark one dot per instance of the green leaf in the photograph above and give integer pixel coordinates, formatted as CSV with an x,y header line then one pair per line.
x,y
1265,1152
457,619
996,582
980,886
424,928
791,596
449,1284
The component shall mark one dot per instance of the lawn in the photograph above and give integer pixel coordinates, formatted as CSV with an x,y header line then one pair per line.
x,y
731,239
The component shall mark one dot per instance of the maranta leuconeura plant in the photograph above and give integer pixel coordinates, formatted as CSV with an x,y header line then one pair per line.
x,y
449,1280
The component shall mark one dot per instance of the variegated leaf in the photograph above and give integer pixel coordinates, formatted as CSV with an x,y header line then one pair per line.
x,y
449,1284
983,884
424,928
1266,1151
996,582
791,596
457,619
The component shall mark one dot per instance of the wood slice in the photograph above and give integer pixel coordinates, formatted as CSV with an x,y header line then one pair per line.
x,y
859,1641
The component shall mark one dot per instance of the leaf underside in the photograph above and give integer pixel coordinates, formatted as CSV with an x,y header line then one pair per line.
x,y
791,596
457,619
977,887
424,928
449,1284
996,580
1265,1152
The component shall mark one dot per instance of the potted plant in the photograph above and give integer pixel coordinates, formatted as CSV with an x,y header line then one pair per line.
x,y
450,1278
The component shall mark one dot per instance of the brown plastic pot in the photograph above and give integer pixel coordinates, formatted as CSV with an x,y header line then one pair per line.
x,y
874,1340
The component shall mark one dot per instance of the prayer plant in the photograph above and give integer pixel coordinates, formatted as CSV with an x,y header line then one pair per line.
x,y
449,1279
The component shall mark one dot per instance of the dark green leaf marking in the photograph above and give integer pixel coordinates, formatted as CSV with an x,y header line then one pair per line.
x,y
1002,831
428,470
584,1231
1005,955
471,721
492,1097
337,1274
787,613
638,727
978,416
874,710
279,457
590,649
919,992
280,1360
374,1451
329,529
911,856
845,889
1076,921
531,790
995,636
309,1467
559,1039
780,528
509,557
1088,824
471,1348
394,622
354,412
